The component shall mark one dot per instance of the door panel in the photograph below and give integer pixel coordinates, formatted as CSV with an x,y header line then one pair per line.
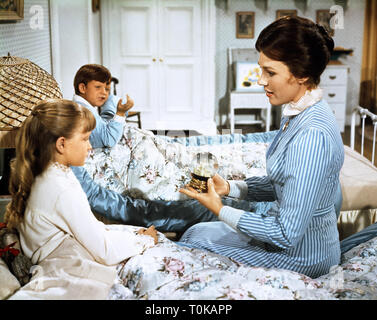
x,y
177,28
138,81
181,63
136,24
179,88
139,70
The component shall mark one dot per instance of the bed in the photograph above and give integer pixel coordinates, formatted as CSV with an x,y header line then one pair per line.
x,y
171,271
358,177
157,166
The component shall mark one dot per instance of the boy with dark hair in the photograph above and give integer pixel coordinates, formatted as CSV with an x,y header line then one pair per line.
x,y
92,89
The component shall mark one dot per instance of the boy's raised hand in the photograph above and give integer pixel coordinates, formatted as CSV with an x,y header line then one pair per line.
x,y
123,108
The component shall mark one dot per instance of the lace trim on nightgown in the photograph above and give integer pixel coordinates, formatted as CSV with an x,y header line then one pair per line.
x,y
61,167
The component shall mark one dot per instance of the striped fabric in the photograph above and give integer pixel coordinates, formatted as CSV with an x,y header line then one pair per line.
x,y
294,224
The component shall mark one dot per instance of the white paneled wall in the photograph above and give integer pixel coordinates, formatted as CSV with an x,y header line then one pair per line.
x,y
76,40
30,37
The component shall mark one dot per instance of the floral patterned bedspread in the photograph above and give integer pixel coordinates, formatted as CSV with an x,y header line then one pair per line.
x,y
155,167
170,271
151,167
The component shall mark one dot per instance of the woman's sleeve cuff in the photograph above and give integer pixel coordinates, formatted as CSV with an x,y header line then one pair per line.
x,y
230,216
237,189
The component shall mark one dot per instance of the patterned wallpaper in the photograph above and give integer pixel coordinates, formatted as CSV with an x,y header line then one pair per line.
x,y
30,37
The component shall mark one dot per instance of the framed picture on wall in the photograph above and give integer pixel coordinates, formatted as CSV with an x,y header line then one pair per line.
x,y
284,13
323,18
11,9
245,24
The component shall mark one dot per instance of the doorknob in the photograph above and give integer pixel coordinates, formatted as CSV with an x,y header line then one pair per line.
x,y
161,60
154,59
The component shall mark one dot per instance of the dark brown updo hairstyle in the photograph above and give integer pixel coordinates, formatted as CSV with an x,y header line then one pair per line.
x,y
302,45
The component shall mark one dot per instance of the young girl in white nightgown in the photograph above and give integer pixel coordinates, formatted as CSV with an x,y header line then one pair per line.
x,y
75,254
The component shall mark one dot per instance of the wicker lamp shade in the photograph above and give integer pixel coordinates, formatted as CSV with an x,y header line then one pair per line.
x,y
23,85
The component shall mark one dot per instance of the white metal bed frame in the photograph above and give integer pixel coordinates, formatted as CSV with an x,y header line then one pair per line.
x,y
363,113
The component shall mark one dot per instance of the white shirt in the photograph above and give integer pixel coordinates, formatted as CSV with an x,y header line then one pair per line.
x,y
57,209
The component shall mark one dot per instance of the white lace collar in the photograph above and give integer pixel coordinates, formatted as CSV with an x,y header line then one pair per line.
x,y
308,99
60,167
56,169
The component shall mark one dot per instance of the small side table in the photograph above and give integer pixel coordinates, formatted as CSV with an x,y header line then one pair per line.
x,y
253,101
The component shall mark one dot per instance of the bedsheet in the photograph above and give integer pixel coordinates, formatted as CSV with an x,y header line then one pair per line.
x,y
155,167
171,271
147,166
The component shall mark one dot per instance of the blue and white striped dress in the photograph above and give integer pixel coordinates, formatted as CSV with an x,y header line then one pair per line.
x,y
293,224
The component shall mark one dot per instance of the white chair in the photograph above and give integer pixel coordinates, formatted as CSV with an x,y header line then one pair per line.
x,y
256,102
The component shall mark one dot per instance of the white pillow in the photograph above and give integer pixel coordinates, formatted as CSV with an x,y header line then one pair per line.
x,y
9,283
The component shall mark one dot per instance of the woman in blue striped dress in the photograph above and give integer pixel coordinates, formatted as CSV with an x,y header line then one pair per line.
x,y
293,223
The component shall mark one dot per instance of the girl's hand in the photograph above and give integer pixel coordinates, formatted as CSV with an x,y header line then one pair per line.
x,y
211,200
151,231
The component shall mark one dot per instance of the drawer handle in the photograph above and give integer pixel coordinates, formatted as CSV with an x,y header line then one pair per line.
x,y
332,95
332,77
